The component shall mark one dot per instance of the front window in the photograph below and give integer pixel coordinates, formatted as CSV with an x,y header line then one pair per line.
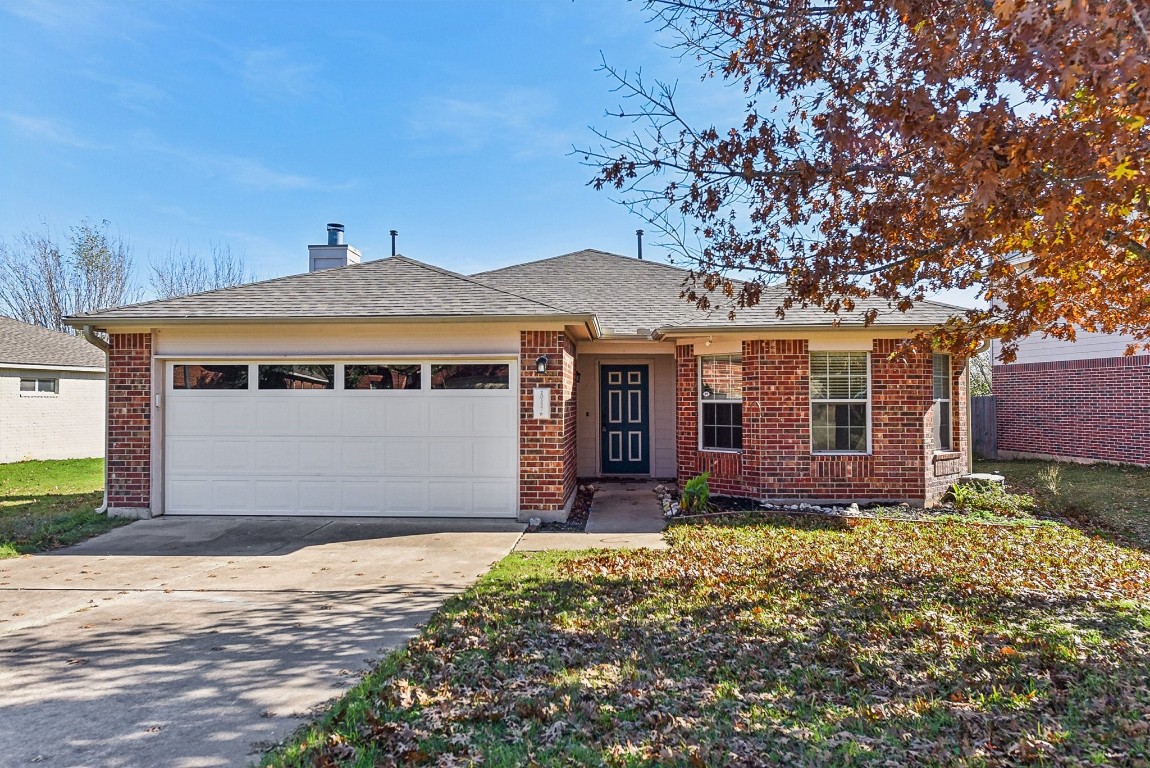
x,y
942,423
840,397
721,402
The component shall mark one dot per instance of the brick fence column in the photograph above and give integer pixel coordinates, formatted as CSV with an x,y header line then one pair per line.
x,y
130,425
547,447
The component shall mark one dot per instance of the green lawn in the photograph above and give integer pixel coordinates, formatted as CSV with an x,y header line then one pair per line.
x,y
785,641
49,504
1114,497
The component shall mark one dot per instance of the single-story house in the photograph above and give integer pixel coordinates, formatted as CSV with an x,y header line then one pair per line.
x,y
395,387
1082,400
51,394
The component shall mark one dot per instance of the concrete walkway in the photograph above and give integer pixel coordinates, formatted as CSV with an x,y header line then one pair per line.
x,y
197,642
624,515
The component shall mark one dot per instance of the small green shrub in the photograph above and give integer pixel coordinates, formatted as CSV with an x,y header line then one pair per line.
x,y
696,495
978,500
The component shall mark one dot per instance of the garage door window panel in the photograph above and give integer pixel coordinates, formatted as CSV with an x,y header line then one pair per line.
x,y
297,376
471,376
202,376
382,377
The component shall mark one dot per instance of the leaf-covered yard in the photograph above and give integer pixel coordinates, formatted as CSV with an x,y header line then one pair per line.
x,y
777,642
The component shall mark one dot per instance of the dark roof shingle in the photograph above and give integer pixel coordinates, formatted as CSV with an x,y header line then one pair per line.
x,y
393,287
628,294
25,344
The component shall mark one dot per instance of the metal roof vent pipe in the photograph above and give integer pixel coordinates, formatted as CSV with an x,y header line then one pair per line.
x,y
394,235
336,253
639,237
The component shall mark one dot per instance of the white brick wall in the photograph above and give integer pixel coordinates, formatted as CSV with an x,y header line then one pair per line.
x,y
66,425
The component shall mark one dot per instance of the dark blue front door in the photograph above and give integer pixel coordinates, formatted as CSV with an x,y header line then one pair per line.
x,y
625,420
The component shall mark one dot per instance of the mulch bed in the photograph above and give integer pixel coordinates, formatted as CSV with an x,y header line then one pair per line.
x,y
580,511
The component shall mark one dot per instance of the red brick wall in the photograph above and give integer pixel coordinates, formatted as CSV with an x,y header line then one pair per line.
x,y
546,446
1076,409
776,460
129,421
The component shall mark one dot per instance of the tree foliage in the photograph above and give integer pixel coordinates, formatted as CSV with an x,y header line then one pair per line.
x,y
898,148
43,281
184,271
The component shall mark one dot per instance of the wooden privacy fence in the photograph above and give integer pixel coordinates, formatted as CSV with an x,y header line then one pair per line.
x,y
984,426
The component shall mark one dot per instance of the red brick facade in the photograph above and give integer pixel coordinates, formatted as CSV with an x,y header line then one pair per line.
x,y
776,460
129,422
546,446
1076,409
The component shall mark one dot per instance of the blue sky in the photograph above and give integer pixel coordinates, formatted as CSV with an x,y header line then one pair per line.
x,y
253,124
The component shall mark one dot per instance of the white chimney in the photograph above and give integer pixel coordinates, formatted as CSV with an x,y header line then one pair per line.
x,y
336,253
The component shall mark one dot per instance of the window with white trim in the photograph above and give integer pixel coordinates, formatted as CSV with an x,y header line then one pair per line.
x,y
943,428
840,402
721,402
45,386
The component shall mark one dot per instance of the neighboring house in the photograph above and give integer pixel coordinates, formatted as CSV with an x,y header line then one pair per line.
x,y
51,394
1074,401
395,387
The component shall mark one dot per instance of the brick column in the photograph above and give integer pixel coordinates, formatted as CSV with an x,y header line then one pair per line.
x,y
130,425
686,413
547,447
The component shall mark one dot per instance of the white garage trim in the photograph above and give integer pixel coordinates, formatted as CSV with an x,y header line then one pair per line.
x,y
331,452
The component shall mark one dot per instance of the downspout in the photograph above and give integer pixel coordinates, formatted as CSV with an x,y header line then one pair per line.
x,y
91,337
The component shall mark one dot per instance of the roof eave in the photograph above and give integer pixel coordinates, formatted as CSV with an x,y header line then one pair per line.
x,y
103,323
676,331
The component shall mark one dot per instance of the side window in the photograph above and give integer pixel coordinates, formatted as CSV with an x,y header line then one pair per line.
x,y
46,386
943,427
840,399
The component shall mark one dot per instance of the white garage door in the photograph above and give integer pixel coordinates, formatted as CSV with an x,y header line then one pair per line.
x,y
429,438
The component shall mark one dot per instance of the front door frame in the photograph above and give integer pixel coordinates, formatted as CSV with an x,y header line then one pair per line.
x,y
641,467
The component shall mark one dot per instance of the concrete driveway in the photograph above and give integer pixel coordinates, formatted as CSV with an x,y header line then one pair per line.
x,y
192,642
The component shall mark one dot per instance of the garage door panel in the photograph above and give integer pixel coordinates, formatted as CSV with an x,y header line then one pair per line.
x,y
405,497
188,454
331,452
446,457
319,414
494,417
492,457
231,456
317,456
275,456
361,457
450,416
275,496
405,456
489,498
318,497
362,416
449,498
232,496
230,416
406,416
362,496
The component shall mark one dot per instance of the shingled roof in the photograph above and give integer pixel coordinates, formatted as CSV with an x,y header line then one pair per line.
x,y
395,287
625,296
25,344
630,296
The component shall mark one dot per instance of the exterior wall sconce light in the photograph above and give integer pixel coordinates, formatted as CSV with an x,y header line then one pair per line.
x,y
541,363
578,376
